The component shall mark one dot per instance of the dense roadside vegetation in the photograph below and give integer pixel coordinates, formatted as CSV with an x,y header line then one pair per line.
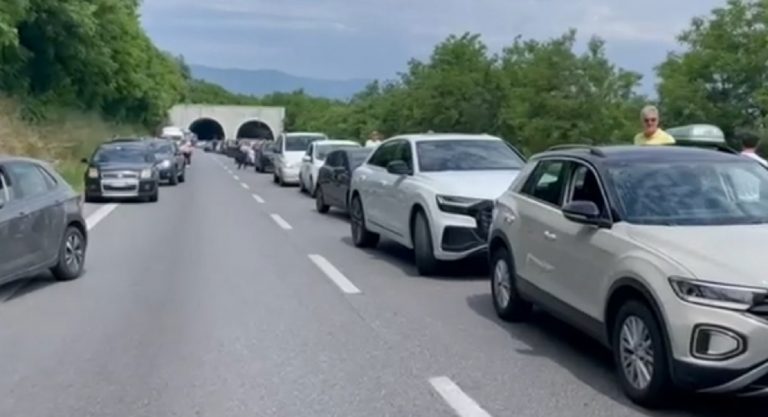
x,y
93,59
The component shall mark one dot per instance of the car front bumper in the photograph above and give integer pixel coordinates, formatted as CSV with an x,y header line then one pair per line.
x,y
458,236
127,189
743,372
290,175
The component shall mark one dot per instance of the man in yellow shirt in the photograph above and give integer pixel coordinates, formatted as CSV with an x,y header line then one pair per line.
x,y
652,133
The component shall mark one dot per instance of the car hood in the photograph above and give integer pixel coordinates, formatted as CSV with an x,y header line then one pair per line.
x,y
163,156
703,250
473,184
293,157
126,166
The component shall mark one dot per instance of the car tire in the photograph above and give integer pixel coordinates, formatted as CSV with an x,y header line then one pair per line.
x,y
426,263
635,318
274,177
361,237
174,180
87,198
302,188
281,181
507,302
71,255
154,197
183,176
320,202
312,188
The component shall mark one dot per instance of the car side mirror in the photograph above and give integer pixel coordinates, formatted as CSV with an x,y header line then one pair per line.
x,y
585,212
84,161
306,158
398,168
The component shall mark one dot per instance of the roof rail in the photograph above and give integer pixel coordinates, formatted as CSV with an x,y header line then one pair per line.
x,y
594,150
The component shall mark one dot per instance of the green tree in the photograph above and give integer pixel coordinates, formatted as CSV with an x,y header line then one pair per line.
x,y
721,77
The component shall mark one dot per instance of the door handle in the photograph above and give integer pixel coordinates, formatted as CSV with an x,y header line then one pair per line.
x,y
549,235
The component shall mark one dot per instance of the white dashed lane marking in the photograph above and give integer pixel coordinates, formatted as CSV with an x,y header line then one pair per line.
x,y
281,221
258,198
99,215
334,275
462,404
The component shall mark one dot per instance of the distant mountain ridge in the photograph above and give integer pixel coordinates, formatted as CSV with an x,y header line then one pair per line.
x,y
264,81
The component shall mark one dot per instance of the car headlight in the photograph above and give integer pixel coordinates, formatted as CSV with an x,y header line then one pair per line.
x,y
731,297
146,173
93,173
165,164
455,204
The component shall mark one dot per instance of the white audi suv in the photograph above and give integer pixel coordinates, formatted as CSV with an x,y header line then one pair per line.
x,y
433,193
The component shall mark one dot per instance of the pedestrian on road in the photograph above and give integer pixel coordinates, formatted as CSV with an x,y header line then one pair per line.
x,y
652,134
241,158
750,141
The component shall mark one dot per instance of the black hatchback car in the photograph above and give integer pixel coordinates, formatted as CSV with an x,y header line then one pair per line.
x,y
41,222
334,177
122,171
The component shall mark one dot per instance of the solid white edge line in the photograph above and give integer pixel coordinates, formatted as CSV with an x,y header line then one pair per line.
x,y
334,274
461,403
99,215
280,221
244,185
258,198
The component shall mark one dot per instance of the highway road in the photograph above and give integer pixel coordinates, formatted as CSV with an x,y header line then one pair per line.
x,y
234,297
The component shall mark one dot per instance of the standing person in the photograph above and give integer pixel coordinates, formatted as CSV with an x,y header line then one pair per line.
x,y
373,140
242,155
652,134
750,142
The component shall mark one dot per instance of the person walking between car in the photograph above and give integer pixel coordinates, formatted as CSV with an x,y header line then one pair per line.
x,y
242,155
750,142
652,134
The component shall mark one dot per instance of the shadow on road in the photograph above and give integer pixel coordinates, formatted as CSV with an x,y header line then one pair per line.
x,y
591,363
474,268
17,289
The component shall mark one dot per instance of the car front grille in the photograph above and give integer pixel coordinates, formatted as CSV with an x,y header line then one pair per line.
x,y
483,213
120,175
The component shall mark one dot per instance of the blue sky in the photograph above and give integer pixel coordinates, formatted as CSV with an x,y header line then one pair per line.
x,y
375,38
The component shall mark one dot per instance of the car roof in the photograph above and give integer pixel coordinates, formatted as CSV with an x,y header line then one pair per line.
x,y
13,158
445,136
634,153
290,134
330,142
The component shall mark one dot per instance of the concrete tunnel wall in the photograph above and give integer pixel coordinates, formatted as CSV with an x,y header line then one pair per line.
x,y
230,118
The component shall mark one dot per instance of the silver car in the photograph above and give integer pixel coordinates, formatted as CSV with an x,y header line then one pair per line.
x,y
432,193
658,252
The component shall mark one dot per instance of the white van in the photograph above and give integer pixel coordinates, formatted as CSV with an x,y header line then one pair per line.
x,y
290,148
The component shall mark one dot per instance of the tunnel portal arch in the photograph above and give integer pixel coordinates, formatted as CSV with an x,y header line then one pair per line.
x,y
207,129
254,129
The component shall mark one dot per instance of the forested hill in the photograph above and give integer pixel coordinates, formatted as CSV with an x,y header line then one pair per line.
x,y
93,55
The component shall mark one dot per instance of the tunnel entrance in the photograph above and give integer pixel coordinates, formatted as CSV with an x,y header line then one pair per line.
x,y
207,129
254,129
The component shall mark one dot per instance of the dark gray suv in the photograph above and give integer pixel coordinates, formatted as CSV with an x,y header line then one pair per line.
x,y
41,222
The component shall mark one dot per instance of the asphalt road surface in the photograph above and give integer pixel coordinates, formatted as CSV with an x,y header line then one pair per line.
x,y
234,297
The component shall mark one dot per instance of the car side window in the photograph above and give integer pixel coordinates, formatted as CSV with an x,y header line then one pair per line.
x,y
585,186
547,182
50,180
404,154
385,154
333,159
28,179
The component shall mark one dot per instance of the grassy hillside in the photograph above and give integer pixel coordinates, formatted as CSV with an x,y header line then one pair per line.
x,y
63,139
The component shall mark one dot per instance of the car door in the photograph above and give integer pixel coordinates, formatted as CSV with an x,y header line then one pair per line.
x,y
40,209
306,164
330,175
12,254
581,253
372,183
341,179
395,196
539,205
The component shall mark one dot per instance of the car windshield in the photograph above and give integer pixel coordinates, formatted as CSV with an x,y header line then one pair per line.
x,y
357,157
300,143
697,193
165,148
466,155
323,150
127,154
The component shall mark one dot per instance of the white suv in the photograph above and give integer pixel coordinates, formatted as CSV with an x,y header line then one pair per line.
x,y
433,193
315,158
289,149
656,251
